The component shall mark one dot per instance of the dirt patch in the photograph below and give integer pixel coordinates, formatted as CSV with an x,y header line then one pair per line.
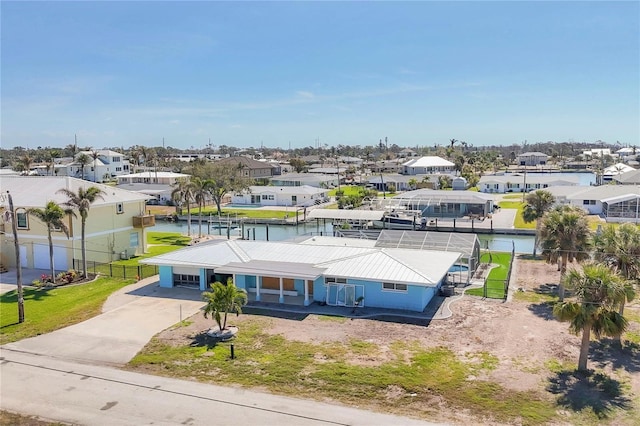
x,y
524,347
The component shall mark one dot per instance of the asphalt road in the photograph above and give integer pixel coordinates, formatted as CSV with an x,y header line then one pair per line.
x,y
77,393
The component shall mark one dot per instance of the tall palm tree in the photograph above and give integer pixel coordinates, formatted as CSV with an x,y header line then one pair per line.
x,y
94,156
81,202
222,299
53,217
200,188
619,248
26,162
565,236
537,204
183,193
83,159
598,290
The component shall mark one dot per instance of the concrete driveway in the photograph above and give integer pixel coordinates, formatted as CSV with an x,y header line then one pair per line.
x,y
130,318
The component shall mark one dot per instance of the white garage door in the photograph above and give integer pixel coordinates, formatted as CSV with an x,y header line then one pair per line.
x,y
41,257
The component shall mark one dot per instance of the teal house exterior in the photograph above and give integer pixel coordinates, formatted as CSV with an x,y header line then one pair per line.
x,y
325,270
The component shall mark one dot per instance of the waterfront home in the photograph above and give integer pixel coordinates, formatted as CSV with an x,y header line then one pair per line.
x,y
532,159
401,182
331,270
107,165
158,185
254,169
614,203
523,182
616,170
427,165
445,204
316,180
301,196
115,225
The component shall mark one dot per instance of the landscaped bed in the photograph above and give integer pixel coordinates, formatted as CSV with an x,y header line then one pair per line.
x,y
492,362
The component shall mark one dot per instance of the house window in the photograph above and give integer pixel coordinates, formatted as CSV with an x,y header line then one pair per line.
x,y
22,219
118,169
588,202
133,239
268,197
334,280
394,287
119,208
186,280
116,159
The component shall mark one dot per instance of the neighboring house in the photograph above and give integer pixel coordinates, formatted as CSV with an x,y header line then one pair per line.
x,y
628,153
385,166
107,165
616,170
522,182
596,152
300,179
407,153
335,271
254,169
445,203
532,159
614,203
628,178
400,182
115,226
427,165
158,185
302,196
355,161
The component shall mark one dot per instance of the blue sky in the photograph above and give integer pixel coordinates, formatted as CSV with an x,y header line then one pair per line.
x,y
242,74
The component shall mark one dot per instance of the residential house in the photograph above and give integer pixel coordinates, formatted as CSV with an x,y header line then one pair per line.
x,y
254,169
428,165
300,196
616,170
401,182
331,270
532,159
445,204
316,180
631,177
523,182
158,185
407,153
614,203
115,226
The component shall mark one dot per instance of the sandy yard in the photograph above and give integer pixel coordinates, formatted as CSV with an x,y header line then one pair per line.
x,y
522,334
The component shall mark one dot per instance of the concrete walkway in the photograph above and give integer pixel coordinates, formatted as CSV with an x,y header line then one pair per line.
x,y
131,317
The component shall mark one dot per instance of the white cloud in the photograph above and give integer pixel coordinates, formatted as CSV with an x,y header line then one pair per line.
x,y
305,94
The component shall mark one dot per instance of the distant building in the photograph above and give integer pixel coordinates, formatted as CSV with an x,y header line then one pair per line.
x,y
531,159
459,184
522,182
249,167
300,179
616,170
158,185
302,196
614,203
407,153
428,165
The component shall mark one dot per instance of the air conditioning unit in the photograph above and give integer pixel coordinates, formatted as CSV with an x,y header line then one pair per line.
x,y
124,255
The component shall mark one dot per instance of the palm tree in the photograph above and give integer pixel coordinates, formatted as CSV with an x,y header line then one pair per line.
x,y
200,188
619,248
413,183
598,290
25,162
81,201
565,236
183,193
53,217
83,159
538,203
94,156
224,299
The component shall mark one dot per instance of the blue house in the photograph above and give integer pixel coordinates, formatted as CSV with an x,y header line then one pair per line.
x,y
331,270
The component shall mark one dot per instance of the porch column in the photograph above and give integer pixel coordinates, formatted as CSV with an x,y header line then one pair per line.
x,y
258,282
306,293
281,291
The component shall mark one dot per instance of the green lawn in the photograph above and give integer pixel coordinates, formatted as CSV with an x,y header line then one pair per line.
x,y
418,375
50,309
497,275
347,190
519,221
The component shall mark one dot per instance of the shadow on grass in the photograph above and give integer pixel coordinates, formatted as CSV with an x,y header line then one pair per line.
x,y
607,352
297,316
204,340
595,391
172,240
28,294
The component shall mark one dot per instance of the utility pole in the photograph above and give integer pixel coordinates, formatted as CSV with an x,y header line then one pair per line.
x,y
14,226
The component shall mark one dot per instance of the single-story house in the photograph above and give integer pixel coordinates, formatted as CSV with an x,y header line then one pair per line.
x,y
616,170
532,159
331,270
523,182
427,165
301,196
316,180
614,203
158,185
631,177
445,203
401,182
115,226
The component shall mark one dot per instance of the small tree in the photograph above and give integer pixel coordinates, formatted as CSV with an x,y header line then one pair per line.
x,y
222,299
53,217
183,194
537,204
298,164
598,290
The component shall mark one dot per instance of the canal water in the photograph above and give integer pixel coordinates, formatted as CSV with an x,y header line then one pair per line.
x,y
522,243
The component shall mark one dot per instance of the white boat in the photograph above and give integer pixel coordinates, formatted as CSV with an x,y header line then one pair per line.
x,y
400,219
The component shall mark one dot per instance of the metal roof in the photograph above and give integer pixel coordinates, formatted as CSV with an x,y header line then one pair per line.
x,y
620,198
428,161
530,178
425,197
341,260
346,214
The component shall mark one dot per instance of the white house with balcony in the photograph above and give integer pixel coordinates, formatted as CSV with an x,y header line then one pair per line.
x,y
427,165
